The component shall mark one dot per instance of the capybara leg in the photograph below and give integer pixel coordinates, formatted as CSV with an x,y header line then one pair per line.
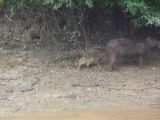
x,y
112,60
141,60
87,65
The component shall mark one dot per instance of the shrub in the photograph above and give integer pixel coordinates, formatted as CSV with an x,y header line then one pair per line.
x,y
144,12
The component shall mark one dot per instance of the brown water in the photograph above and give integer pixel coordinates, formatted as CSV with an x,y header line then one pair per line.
x,y
111,114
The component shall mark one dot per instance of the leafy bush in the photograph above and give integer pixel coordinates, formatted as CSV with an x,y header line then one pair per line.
x,y
144,12
13,5
1,2
56,4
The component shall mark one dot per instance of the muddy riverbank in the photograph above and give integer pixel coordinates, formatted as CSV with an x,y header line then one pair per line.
x,y
27,84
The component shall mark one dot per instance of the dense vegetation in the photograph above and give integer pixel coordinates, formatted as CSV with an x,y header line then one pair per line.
x,y
144,12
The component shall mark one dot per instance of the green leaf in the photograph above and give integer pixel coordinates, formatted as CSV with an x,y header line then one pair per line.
x,y
89,3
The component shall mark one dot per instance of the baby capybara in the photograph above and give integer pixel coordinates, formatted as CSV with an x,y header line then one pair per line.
x,y
85,61
125,48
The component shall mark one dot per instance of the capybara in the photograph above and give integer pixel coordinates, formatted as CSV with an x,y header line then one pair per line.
x,y
125,48
153,43
85,61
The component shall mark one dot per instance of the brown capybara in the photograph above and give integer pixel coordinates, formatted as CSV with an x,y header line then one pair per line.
x,y
84,61
125,48
153,43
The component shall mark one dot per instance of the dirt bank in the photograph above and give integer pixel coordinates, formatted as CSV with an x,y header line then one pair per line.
x,y
28,84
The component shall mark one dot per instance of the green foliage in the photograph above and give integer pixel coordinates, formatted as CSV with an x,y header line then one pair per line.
x,y
56,4
15,4
144,12
1,2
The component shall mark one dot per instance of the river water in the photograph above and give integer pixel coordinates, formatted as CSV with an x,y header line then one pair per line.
x,y
99,114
